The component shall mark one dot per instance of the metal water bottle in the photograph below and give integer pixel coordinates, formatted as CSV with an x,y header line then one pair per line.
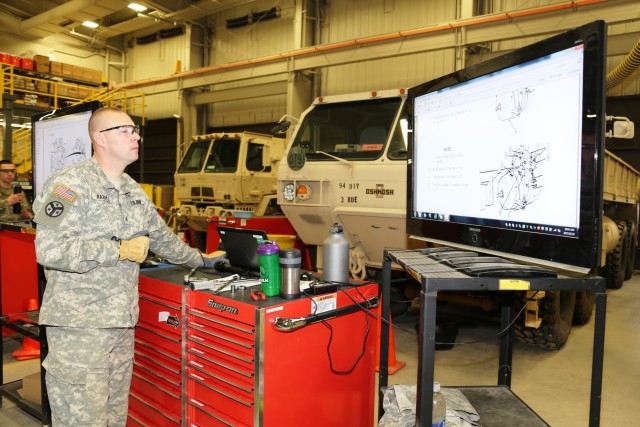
x,y
290,263
269,269
335,256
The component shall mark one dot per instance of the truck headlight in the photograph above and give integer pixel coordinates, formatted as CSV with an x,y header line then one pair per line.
x,y
289,192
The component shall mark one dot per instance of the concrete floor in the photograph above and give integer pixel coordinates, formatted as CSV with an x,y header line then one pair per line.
x,y
555,384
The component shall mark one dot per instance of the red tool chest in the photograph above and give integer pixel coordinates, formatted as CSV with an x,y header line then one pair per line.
x,y
243,371
231,365
155,398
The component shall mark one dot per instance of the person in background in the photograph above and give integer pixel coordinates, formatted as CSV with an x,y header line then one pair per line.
x,y
9,198
95,226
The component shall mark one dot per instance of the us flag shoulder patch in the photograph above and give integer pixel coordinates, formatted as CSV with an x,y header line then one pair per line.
x,y
65,193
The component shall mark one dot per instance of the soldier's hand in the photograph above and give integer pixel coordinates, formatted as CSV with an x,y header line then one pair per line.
x,y
135,249
214,259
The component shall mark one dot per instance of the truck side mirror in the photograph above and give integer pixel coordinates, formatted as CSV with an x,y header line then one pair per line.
x,y
281,127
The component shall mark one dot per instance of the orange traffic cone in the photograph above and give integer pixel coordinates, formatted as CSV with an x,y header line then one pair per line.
x,y
30,348
393,365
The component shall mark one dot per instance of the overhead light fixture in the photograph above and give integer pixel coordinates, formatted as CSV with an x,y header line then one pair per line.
x,y
90,24
137,7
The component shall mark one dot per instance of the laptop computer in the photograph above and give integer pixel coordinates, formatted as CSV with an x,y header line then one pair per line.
x,y
241,246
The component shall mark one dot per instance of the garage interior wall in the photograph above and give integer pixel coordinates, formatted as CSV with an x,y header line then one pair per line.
x,y
354,62
359,69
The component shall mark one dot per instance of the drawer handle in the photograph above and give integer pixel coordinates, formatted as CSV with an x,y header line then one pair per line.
x,y
227,395
154,385
152,372
157,333
229,325
218,378
151,406
197,403
162,303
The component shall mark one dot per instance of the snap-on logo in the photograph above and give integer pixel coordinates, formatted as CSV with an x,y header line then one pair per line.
x,y
222,307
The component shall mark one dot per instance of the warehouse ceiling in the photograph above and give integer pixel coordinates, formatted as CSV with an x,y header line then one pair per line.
x,y
33,19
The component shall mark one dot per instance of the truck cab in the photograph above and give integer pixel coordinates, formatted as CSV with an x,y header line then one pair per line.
x,y
346,163
223,173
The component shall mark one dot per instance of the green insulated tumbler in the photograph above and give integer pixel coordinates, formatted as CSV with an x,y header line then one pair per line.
x,y
268,254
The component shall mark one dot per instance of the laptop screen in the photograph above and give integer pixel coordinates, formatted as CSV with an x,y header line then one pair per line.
x,y
241,246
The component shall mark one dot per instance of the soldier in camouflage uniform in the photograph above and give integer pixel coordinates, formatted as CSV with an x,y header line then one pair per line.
x,y
7,197
94,226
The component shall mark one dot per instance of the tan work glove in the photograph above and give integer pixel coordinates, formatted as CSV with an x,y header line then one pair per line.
x,y
214,259
135,249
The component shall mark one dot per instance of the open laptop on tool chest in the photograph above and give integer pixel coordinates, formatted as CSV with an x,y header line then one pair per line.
x,y
241,246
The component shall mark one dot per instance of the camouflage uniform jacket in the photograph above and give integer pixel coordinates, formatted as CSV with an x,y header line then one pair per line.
x,y
78,213
6,210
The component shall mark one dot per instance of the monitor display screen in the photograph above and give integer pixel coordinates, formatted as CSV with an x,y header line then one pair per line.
x,y
60,138
506,156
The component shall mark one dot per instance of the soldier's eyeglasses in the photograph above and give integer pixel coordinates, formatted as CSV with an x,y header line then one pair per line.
x,y
129,129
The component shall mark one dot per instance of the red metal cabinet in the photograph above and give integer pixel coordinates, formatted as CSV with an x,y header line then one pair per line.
x,y
18,270
155,398
226,364
242,371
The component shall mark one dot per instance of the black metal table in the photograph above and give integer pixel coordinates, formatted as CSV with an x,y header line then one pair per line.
x,y
433,280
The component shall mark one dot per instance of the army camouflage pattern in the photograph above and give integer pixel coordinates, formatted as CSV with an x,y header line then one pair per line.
x,y
87,285
6,210
78,367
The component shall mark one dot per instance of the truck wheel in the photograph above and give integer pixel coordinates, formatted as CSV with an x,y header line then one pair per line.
x,y
585,301
615,267
556,312
631,253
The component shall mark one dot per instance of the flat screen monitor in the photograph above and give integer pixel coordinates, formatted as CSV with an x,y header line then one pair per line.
x,y
506,156
60,138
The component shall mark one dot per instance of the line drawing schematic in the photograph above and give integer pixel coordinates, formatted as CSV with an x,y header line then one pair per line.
x,y
510,105
65,153
517,183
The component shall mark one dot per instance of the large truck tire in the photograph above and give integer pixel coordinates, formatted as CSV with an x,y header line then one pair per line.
x,y
631,244
556,311
585,301
616,266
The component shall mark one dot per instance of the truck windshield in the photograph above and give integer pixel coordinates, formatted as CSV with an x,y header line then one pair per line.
x,y
224,156
350,130
194,159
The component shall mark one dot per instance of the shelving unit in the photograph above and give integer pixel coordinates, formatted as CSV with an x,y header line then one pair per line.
x,y
43,89
486,399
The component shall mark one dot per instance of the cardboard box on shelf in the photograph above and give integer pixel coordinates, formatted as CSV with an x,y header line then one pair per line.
x,y
42,101
68,70
19,82
41,59
84,92
92,76
31,388
56,68
42,68
78,72
42,86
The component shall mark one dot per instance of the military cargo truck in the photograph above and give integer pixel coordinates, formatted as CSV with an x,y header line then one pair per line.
x,y
224,176
347,163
